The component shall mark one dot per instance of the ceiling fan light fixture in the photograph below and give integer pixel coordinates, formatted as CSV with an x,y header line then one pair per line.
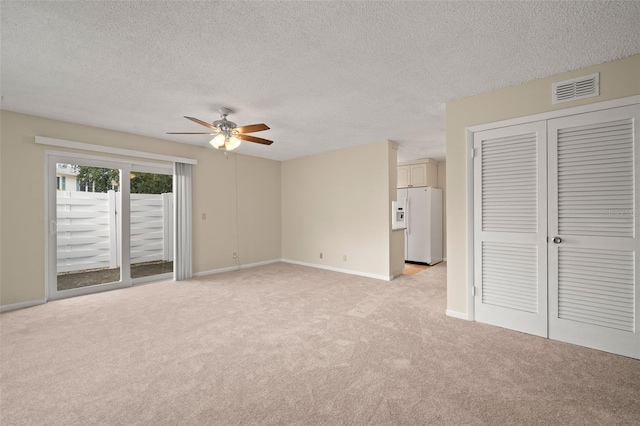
x,y
218,141
232,143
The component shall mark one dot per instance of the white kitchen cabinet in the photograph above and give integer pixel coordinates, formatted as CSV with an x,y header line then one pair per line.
x,y
418,173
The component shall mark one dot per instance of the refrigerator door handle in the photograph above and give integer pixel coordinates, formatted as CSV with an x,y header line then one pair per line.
x,y
408,215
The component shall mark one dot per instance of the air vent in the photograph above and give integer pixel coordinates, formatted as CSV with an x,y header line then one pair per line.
x,y
576,88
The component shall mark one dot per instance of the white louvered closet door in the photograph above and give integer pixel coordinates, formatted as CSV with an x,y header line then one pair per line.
x,y
510,201
593,210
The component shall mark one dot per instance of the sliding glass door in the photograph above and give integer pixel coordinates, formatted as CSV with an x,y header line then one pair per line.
x,y
151,224
88,226
109,224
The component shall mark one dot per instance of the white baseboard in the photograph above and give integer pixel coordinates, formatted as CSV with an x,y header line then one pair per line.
x,y
344,271
235,268
216,271
266,262
455,314
444,259
14,306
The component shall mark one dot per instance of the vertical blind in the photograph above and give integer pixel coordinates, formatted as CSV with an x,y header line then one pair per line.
x,y
183,263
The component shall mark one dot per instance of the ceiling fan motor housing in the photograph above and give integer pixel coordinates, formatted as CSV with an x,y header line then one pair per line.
x,y
224,124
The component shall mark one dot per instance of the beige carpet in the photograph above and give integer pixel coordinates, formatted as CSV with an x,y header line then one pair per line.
x,y
284,344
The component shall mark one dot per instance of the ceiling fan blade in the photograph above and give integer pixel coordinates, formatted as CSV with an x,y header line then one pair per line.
x,y
191,133
204,123
254,139
252,128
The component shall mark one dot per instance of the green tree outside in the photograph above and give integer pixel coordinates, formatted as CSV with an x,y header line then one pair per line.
x,y
103,179
151,183
141,183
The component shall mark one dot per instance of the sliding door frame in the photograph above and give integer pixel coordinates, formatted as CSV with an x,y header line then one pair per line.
x,y
51,159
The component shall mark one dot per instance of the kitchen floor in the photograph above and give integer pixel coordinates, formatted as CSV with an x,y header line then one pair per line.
x,y
412,268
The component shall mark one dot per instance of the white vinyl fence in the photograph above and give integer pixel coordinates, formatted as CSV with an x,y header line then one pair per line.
x,y
89,229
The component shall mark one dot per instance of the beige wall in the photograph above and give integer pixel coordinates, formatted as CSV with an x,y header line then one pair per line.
x,y
259,203
618,79
442,184
339,203
396,249
214,193
1,215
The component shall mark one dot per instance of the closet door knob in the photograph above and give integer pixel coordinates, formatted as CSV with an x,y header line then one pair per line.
x,y
557,240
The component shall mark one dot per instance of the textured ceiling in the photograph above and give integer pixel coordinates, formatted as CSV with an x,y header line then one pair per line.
x,y
322,75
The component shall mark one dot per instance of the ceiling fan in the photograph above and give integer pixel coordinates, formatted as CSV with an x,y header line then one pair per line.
x,y
227,134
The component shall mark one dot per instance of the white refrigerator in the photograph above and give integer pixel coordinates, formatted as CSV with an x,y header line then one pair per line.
x,y
423,233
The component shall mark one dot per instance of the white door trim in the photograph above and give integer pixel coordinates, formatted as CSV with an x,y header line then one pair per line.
x,y
141,166
631,100
615,103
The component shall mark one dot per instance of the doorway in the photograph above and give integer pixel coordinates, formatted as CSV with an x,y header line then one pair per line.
x,y
109,224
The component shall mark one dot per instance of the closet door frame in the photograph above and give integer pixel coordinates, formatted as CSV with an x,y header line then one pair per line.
x,y
470,184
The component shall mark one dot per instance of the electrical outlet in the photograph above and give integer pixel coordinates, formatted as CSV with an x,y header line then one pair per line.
x,y
234,255
204,216
321,255
344,257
